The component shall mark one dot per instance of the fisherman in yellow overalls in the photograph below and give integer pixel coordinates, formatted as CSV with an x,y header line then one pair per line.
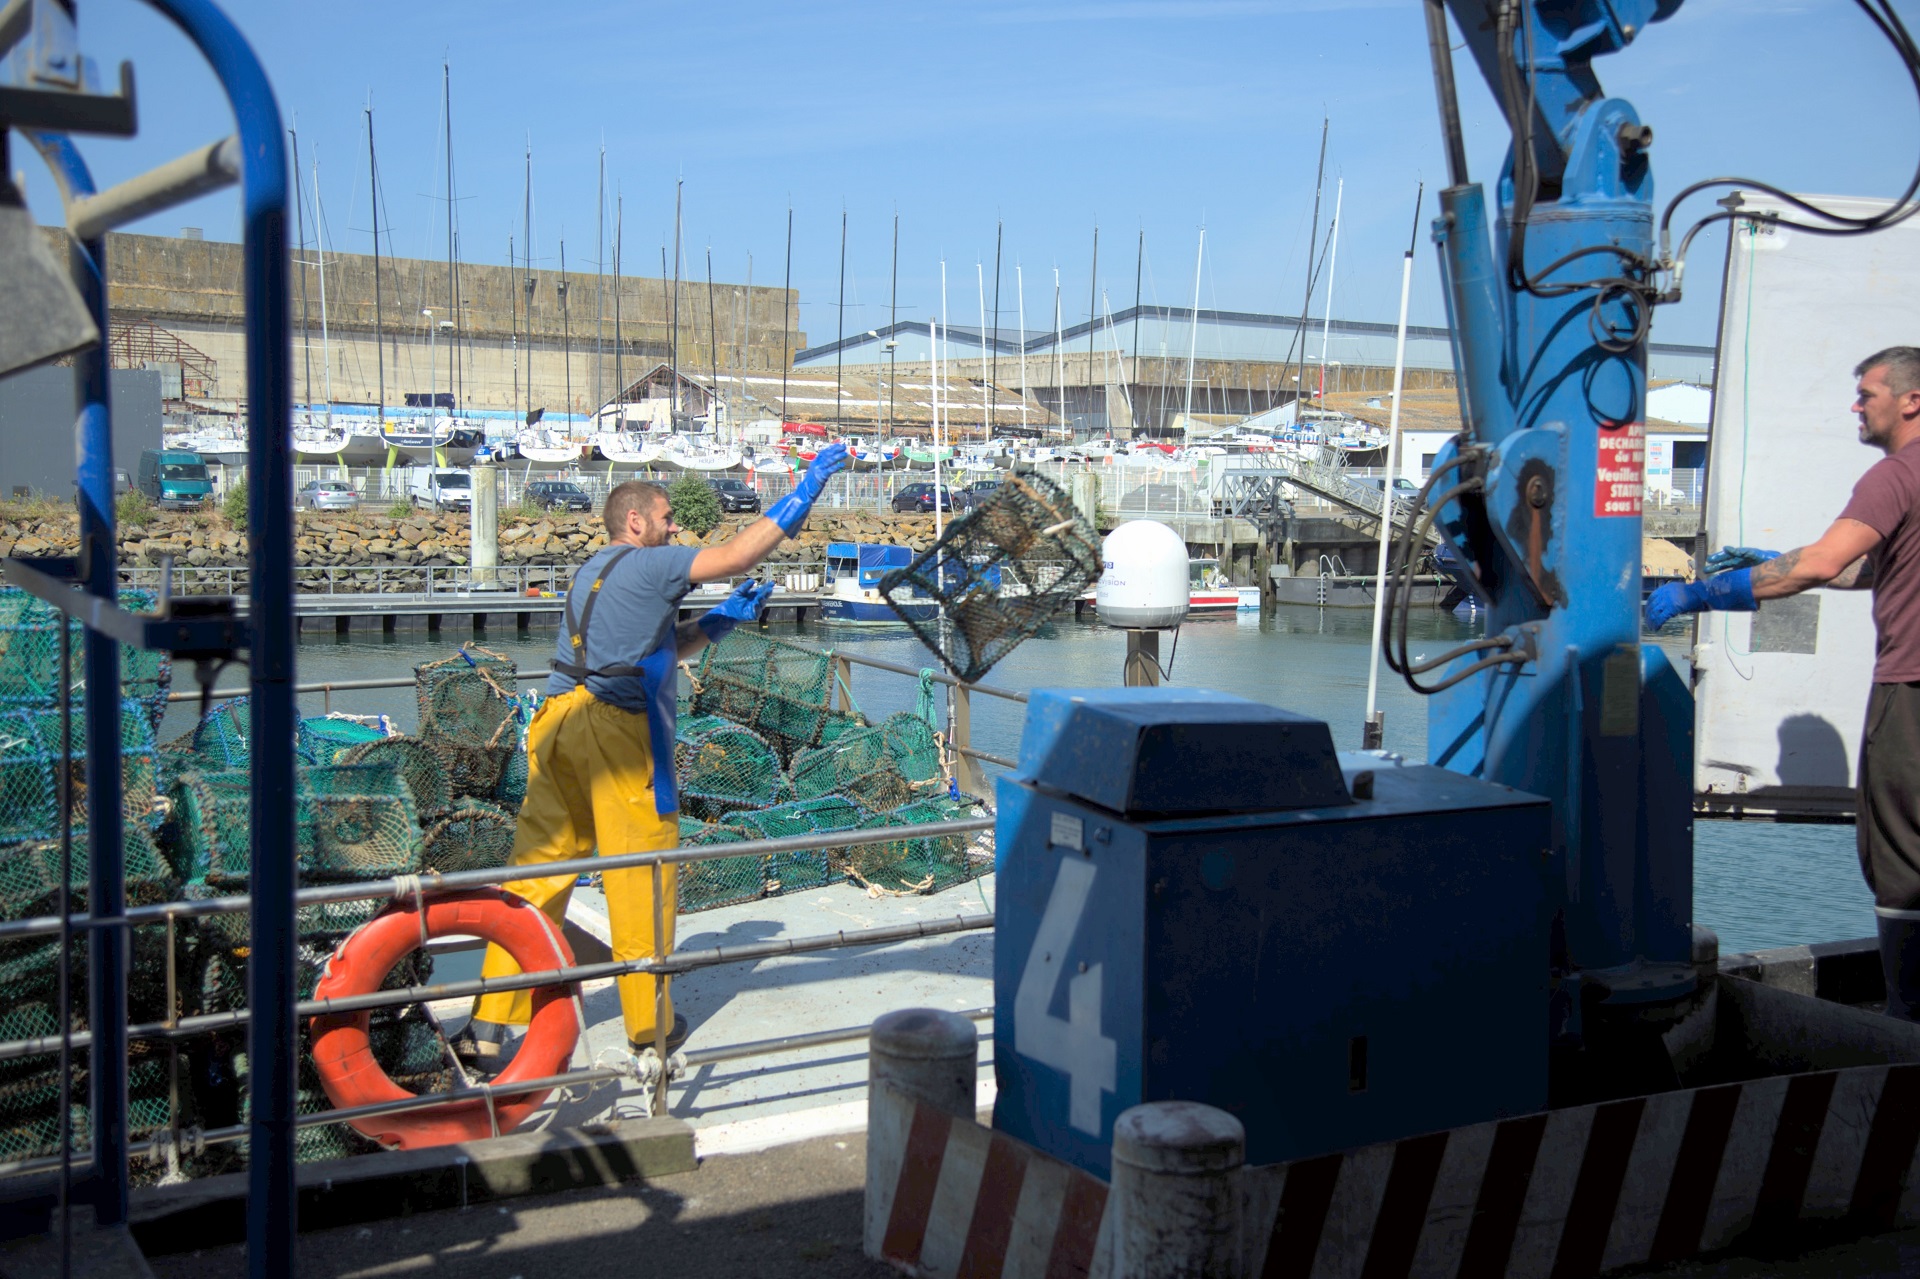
x,y
600,748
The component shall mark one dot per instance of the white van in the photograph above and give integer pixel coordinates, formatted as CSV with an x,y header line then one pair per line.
x,y
442,490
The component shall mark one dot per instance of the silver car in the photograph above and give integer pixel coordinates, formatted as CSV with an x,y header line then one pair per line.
x,y
327,495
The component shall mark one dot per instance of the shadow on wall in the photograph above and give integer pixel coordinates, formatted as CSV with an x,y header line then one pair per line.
x,y
1812,753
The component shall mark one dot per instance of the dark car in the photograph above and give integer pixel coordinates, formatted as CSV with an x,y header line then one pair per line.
x,y
558,495
919,498
734,495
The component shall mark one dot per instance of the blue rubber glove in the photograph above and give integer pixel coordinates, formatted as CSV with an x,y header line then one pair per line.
x,y
790,512
1732,557
1723,592
743,605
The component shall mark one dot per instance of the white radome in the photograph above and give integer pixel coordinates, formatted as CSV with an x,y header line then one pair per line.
x,y
1143,579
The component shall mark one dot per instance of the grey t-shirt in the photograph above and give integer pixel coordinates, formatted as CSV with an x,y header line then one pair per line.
x,y
639,603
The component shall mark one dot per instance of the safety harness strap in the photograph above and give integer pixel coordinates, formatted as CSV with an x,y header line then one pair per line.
x,y
577,625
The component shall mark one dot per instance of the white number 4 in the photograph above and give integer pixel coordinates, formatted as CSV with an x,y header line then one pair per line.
x,y
1075,1047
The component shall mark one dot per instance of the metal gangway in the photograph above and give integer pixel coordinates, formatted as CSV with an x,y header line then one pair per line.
x,y
1251,491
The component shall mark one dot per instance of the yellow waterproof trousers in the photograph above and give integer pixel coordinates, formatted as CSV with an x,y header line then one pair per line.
x,y
590,784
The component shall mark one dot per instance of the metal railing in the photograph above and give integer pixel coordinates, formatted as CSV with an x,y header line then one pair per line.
x,y
960,758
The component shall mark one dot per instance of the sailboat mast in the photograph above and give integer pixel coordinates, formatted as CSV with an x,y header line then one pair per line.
x,y
1093,323
1333,262
1193,330
839,345
1139,262
674,348
600,286
453,279
713,355
893,321
993,383
526,238
986,392
300,224
513,308
786,321
619,377
1059,359
379,346
320,251
1313,233
566,336
1020,296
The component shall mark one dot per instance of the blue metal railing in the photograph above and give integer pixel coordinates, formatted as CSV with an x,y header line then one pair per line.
x,y
271,1043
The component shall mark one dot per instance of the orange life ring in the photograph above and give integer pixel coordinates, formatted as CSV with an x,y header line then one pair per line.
x,y
343,1053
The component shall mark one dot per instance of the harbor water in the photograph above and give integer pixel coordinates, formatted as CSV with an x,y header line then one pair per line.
x,y
1758,884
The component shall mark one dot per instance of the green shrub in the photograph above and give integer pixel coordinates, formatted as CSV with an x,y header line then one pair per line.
x,y
234,506
132,507
696,508
400,510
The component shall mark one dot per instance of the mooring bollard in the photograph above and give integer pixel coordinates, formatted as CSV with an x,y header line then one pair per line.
x,y
930,1055
1176,1192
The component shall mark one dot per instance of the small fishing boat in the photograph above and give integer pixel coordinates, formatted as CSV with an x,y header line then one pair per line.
x,y
852,590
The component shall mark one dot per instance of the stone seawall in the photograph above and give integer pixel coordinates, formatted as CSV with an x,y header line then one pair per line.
x,y
375,539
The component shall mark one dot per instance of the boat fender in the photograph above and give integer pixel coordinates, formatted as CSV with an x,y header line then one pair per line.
x,y
343,1051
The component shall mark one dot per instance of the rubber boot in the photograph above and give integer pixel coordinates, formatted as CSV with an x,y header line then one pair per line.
x,y
1900,961
481,1047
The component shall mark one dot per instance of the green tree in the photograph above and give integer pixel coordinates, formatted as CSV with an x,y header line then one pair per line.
x,y
235,506
696,508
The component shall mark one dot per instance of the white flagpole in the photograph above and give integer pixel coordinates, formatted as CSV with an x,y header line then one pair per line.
x,y
1373,730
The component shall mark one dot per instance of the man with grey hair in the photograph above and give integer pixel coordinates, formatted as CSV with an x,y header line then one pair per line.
x,y
1875,544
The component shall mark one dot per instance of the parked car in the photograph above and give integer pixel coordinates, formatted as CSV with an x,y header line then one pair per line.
x,y
735,495
918,498
122,482
1402,486
558,495
972,495
327,495
443,490
174,479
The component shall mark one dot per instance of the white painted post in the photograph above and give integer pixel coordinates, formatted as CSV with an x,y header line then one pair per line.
x,y
1176,1192
928,1053
484,540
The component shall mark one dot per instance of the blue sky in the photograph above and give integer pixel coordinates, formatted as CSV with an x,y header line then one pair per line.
x,y
1049,117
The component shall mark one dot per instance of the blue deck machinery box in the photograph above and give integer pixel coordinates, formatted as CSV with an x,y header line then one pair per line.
x,y
1198,899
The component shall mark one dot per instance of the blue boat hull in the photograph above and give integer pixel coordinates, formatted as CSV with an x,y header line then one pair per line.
x,y
841,610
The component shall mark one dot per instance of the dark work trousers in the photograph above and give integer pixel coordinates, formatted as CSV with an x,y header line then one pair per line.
x,y
1889,836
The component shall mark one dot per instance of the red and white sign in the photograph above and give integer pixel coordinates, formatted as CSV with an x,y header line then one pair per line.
x,y
1619,479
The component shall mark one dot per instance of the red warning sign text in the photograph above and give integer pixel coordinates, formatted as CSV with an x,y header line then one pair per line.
x,y
1620,478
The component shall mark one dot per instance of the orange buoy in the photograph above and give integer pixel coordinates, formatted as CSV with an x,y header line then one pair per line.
x,y
343,1052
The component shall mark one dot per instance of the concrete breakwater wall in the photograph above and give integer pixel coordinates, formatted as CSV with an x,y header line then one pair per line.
x,y
375,539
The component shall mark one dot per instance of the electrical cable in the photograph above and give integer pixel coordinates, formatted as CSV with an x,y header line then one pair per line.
x,y
1882,15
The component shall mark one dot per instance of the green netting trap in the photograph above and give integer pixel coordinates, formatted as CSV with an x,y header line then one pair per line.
x,y
999,573
779,689
468,698
323,737
787,871
913,745
723,881
30,657
352,821
360,823
919,864
472,835
420,766
721,767
30,764
29,887
861,765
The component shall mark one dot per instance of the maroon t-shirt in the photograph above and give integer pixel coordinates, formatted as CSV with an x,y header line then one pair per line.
x,y
1887,500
